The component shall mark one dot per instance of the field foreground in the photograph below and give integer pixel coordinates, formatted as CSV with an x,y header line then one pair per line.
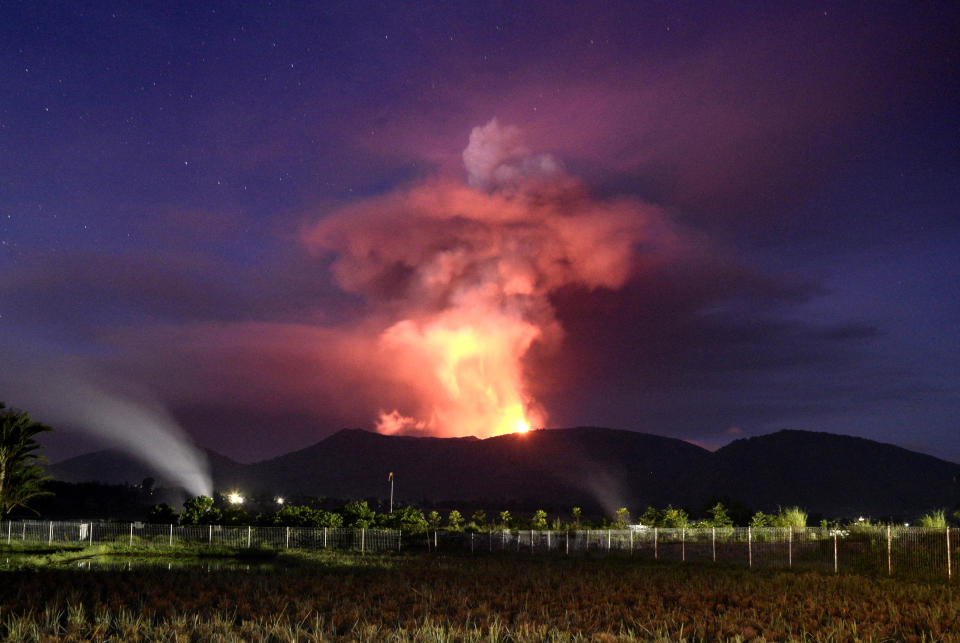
x,y
485,598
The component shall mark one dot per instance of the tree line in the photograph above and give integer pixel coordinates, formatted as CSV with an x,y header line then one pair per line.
x,y
359,514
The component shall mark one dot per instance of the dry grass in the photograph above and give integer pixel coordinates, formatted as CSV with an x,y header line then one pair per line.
x,y
495,598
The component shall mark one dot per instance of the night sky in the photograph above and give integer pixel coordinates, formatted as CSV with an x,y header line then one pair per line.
x,y
727,218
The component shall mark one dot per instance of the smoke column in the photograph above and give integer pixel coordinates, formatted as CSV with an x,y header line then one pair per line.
x,y
459,277
144,430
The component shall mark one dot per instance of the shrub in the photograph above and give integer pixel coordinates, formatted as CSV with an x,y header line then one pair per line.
x,y
358,514
719,517
675,517
455,521
539,520
790,517
621,518
934,520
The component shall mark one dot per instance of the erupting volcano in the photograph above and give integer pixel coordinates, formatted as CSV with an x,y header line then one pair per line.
x,y
457,278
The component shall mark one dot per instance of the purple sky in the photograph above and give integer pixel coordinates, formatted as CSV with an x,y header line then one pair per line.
x,y
165,168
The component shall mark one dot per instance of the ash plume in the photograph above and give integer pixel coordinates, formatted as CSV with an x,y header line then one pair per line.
x,y
458,277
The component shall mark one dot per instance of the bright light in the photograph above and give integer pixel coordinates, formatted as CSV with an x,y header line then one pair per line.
x,y
280,500
235,498
522,426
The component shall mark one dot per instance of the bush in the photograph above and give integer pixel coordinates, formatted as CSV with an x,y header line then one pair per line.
x,y
934,520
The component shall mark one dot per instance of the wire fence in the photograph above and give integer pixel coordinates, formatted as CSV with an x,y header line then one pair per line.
x,y
909,552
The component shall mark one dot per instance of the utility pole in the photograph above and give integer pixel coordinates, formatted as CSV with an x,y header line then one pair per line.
x,y
390,478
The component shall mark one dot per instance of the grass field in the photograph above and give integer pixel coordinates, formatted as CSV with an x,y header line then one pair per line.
x,y
54,595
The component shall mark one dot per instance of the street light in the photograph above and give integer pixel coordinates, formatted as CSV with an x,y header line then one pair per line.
x,y
235,498
280,500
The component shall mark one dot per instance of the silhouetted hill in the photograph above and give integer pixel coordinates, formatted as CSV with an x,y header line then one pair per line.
x,y
598,469
113,466
560,466
833,474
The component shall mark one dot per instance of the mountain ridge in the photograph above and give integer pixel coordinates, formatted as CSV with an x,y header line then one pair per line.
x,y
595,467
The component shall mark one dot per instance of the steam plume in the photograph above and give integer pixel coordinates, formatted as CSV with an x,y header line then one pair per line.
x,y
145,430
461,277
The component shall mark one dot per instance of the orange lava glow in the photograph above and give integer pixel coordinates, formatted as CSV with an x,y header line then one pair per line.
x,y
469,365
458,277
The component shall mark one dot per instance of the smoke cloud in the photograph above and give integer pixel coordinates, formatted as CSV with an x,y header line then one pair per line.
x,y
142,428
460,276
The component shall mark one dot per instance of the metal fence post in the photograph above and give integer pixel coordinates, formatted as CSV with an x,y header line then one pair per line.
x,y
362,535
631,542
836,568
713,542
287,539
608,540
324,537
210,535
655,554
889,554
790,546
131,534
9,527
548,540
683,544
50,539
568,542
249,534
531,541
399,538
750,546
949,568
471,542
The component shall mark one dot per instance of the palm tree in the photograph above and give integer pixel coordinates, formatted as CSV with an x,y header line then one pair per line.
x,y
21,476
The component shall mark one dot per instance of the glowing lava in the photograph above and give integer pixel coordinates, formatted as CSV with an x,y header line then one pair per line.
x,y
459,278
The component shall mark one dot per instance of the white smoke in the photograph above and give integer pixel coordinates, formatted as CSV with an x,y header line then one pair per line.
x,y
142,428
496,156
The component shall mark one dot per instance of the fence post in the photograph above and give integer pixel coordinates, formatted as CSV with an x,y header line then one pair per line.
x,y
750,546
836,568
631,542
655,554
608,540
91,533
324,537
548,540
531,541
210,535
363,533
713,542
435,540
949,568
50,539
171,534
249,533
399,537
568,542
471,542
9,528
889,552
131,534
790,546
286,544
